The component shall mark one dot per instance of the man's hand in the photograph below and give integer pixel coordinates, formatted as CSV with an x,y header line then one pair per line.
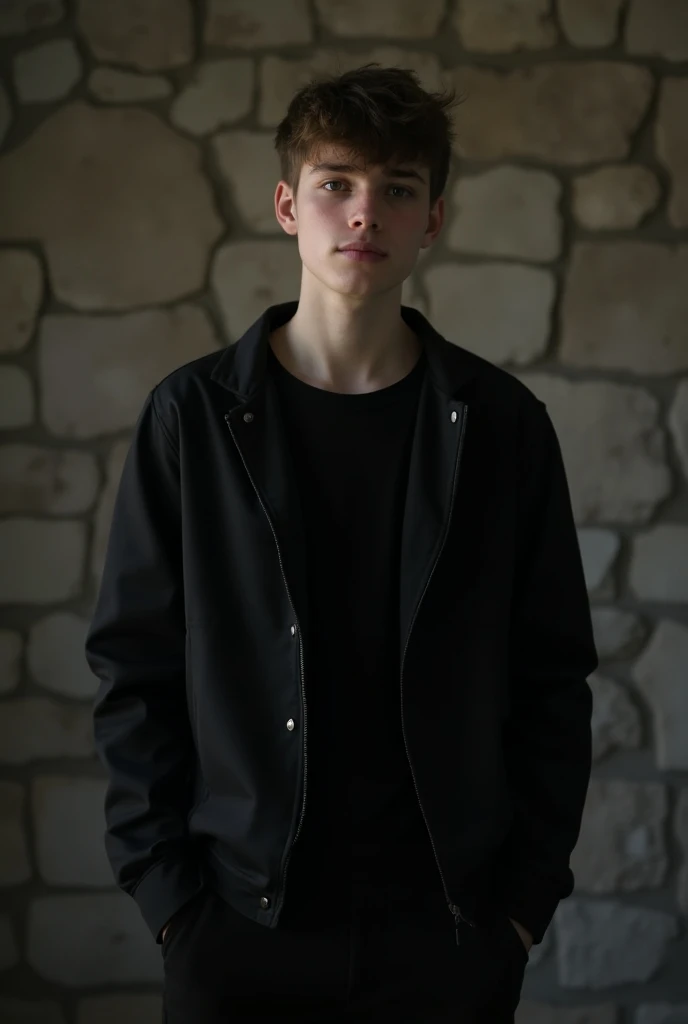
x,y
526,937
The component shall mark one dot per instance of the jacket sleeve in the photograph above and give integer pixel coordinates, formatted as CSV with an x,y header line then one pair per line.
x,y
135,645
548,735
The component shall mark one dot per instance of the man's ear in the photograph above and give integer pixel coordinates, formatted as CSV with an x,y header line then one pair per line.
x,y
285,208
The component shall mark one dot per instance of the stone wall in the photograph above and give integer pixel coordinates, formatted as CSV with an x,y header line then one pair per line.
x,y
137,232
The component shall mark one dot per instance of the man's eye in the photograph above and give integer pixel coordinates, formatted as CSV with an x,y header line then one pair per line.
x,y
403,188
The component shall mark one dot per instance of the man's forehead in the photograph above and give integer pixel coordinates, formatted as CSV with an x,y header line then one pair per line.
x,y
345,161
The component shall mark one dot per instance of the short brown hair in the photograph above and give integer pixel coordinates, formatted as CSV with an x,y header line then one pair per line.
x,y
379,113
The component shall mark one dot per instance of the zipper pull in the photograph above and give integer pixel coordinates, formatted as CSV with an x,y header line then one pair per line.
x,y
458,918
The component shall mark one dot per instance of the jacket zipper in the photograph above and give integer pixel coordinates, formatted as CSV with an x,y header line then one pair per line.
x,y
303,692
455,910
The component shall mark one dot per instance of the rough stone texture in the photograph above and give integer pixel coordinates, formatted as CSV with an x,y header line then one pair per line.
x,y
244,24
48,481
14,854
35,1011
38,727
5,115
603,943
20,16
149,34
621,844
117,232
567,113
10,659
677,420
671,142
107,941
590,23
501,26
618,633
69,825
615,718
21,291
658,27
507,211
660,673
615,197
9,951
281,77
499,310
113,86
529,1012
249,164
96,371
659,566
681,829
248,276
612,445
55,655
144,1009
662,1013
401,19
220,92
625,307
17,402
42,561
599,549
103,519
47,72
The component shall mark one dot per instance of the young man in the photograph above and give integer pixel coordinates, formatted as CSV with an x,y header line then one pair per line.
x,y
343,632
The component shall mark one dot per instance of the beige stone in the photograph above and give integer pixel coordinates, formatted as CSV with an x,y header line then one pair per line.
x,y
5,115
113,1009
10,659
20,16
660,673
21,291
118,233
599,549
248,276
573,112
678,423
30,1011
14,852
47,72
530,1012
17,399
391,19
618,633
55,655
47,481
658,27
103,519
499,310
96,371
40,727
148,34
615,197
250,166
114,86
507,211
220,92
659,563
625,307
671,140
69,825
244,24
590,23
42,560
9,950
501,26
615,718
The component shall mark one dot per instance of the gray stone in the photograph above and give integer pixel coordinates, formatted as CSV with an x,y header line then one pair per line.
x,y
590,23
69,824
20,16
625,307
55,655
47,72
220,92
507,211
40,727
599,549
47,481
21,291
114,86
391,19
612,445
14,853
529,1012
681,830
42,561
17,402
615,197
9,951
658,27
615,718
107,941
659,566
96,371
248,276
35,1011
621,844
660,673
117,232
10,659
502,311
5,115
571,112
618,633
148,34
671,142
602,943
140,1009
662,1013
677,420
250,166
501,26
103,519
244,24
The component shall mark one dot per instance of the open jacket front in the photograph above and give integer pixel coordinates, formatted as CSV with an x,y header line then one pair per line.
x,y
200,639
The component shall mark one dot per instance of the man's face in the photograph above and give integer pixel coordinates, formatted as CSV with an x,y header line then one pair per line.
x,y
339,201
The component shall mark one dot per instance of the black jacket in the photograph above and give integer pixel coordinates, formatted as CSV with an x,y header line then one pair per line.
x,y
200,634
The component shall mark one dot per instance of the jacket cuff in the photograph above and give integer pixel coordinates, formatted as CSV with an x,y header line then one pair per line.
x,y
532,900
164,889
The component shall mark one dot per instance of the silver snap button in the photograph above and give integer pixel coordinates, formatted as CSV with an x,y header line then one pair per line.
x,y
264,902
248,416
293,630
453,416
290,724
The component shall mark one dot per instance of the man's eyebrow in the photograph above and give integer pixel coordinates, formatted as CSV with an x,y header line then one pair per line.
x,y
390,172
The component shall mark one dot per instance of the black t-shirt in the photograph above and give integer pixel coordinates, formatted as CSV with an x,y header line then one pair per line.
x,y
363,822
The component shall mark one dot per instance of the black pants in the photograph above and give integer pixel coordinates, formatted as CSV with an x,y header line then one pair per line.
x,y
374,956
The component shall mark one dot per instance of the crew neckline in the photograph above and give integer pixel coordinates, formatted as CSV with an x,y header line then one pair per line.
x,y
378,396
